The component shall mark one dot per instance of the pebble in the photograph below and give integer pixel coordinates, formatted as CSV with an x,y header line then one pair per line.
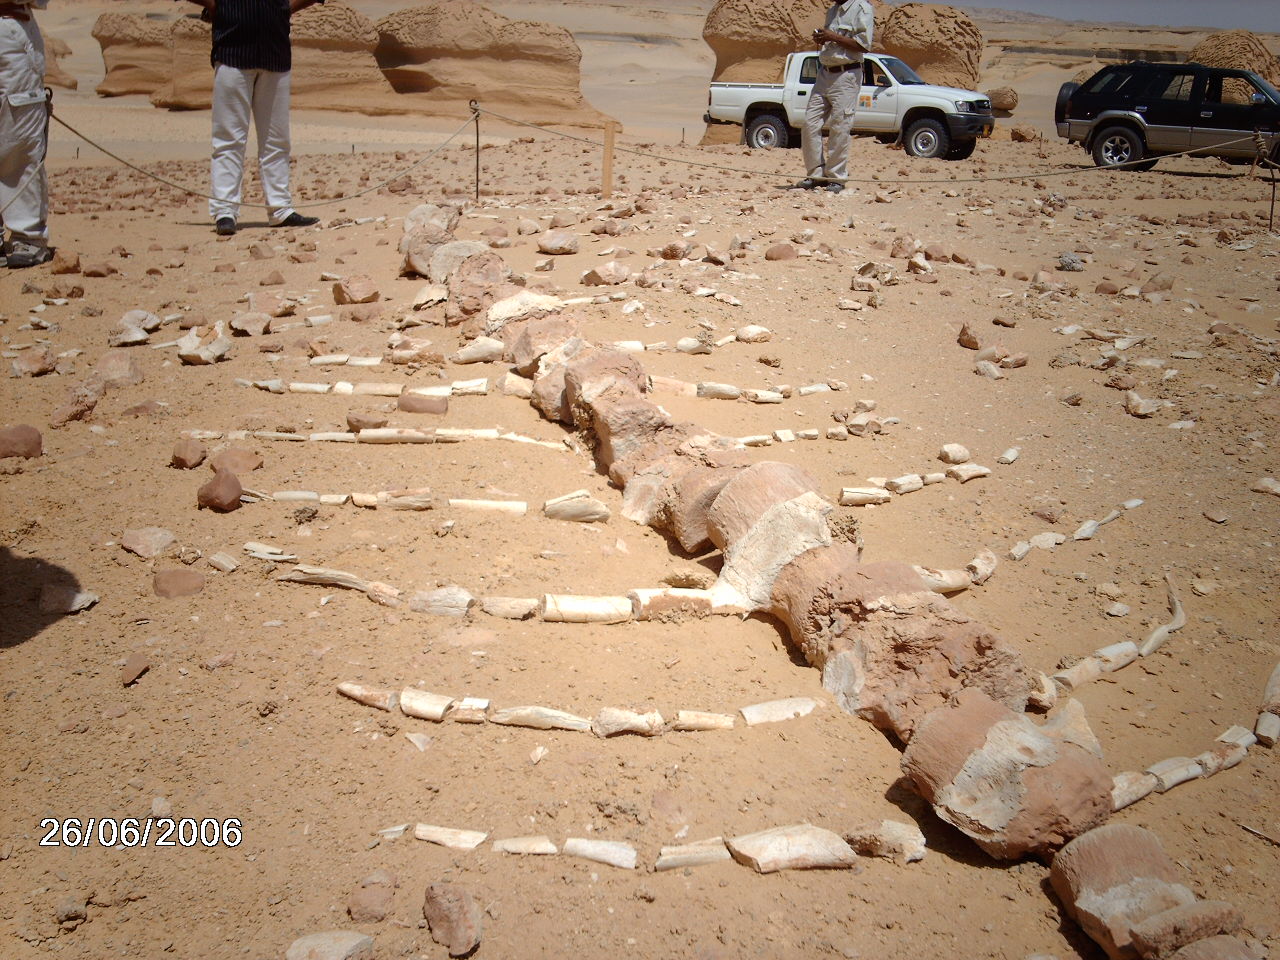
x,y
187,454
147,542
454,918
1009,456
135,666
417,403
21,440
331,945
1047,541
237,460
222,493
177,582
953,453
1118,610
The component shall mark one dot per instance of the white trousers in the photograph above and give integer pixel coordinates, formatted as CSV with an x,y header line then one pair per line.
x,y
832,101
24,132
237,94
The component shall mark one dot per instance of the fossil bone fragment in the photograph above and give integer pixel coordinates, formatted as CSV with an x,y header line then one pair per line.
x,y
692,854
1177,621
798,847
379,697
697,720
424,705
611,721
772,711
539,718
612,852
449,837
567,608
525,845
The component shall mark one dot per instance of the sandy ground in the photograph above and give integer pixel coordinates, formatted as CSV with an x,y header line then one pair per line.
x,y
238,717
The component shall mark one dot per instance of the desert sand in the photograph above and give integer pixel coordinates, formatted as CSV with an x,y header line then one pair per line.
x,y
1126,336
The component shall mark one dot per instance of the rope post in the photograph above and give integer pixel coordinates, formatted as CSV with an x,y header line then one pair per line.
x,y
475,113
606,168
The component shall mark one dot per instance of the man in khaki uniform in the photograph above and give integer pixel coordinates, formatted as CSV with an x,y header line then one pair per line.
x,y
843,39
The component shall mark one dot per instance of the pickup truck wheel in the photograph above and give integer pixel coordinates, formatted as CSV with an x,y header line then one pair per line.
x,y
927,139
1117,145
766,132
962,150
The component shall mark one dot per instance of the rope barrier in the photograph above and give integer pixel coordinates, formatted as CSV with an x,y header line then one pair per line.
x,y
1057,172
298,206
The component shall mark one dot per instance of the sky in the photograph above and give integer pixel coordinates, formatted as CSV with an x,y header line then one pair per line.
x,y
1262,16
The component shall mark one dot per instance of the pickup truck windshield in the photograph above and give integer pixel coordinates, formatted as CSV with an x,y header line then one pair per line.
x,y
901,72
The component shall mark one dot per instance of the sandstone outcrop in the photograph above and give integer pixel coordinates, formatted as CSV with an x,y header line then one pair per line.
x,y
939,42
440,55
135,52
751,40
1014,787
333,63
1237,50
55,49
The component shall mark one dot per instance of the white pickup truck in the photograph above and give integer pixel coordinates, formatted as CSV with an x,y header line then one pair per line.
x,y
894,103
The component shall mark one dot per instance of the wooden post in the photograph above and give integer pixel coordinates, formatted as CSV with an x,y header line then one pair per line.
x,y
606,171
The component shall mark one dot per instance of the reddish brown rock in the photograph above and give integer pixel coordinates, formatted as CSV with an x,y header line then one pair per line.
x,y
119,368
355,289
373,900
608,274
1112,879
358,420
21,440
238,460
781,251
81,401
64,261
417,403
601,374
187,454
135,666
752,493
362,312
1014,787
177,582
454,918
99,270
147,542
890,650
222,493
33,363
475,284
624,425
968,338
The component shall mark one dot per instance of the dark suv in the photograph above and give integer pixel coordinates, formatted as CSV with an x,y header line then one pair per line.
x,y
1131,114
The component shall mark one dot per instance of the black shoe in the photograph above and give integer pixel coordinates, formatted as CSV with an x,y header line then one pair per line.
x,y
22,254
225,226
808,183
833,187
296,219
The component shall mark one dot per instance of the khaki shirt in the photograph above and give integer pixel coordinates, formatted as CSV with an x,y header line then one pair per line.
x,y
853,19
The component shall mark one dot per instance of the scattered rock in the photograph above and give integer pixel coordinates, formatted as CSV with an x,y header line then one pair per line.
x,y
418,403
331,945
222,493
238,460
177,582
356,289
135,666
558,243
21,440
147,542
187,454
454,918
781,251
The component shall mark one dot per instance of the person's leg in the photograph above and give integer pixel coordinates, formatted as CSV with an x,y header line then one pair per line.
x,y
24,131
843,97
271,121
232,90
815,115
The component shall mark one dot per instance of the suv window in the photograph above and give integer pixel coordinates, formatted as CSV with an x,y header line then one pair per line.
x,y
1171,85
1112,82
1229,89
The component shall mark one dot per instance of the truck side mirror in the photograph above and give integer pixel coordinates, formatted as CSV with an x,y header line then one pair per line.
x,y
1257,99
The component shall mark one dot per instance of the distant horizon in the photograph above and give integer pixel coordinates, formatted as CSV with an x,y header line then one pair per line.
x,y
1260,16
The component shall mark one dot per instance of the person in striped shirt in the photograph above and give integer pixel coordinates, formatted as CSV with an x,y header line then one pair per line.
x,y
251,60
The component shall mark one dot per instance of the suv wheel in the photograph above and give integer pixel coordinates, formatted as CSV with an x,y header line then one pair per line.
x,y
766,132
927,139
1117,145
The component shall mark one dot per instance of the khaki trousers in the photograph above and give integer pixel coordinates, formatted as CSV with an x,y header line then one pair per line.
x,y
832,102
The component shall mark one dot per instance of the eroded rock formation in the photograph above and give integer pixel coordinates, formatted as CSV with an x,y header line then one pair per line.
x,y
135,52
1237,50
752,39
939,42
55,49
441,55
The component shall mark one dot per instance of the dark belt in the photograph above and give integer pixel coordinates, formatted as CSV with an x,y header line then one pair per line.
x,y
842,69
